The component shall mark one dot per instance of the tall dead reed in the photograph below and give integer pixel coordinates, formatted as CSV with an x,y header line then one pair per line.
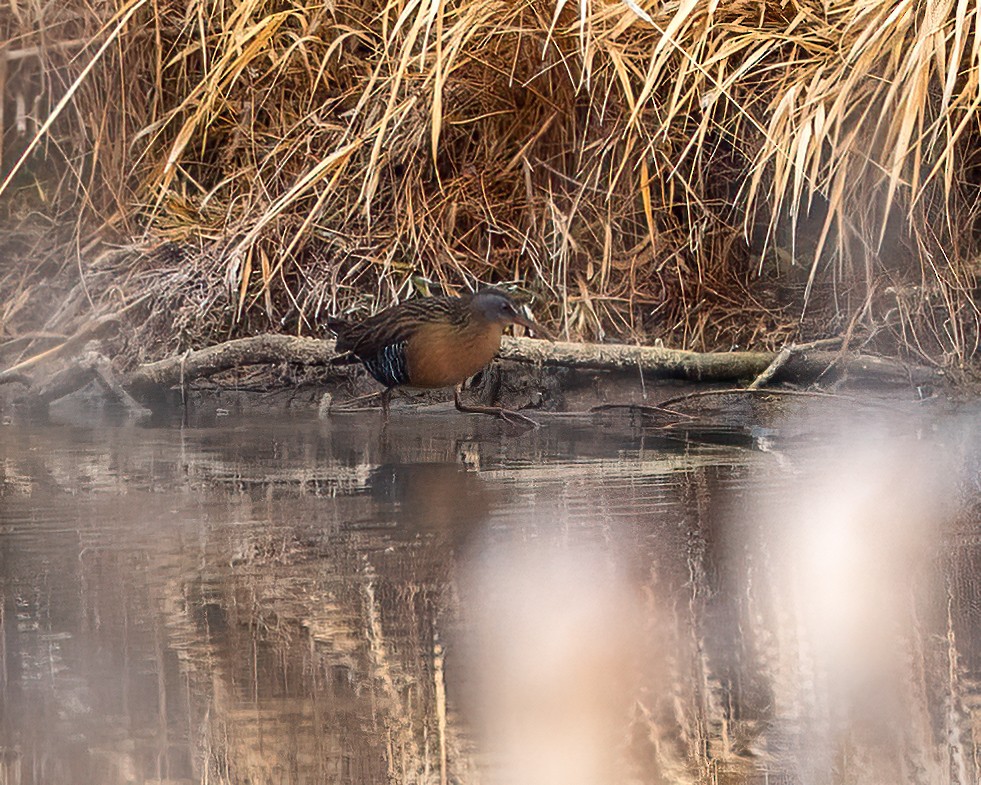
x,y
717,174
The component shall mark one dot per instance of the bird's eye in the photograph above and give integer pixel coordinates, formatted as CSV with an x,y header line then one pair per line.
x,y
506,307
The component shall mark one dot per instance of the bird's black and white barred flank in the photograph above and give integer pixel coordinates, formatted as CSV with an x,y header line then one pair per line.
x,y
388,365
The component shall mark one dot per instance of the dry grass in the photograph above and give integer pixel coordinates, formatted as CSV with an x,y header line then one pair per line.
x,y
716,174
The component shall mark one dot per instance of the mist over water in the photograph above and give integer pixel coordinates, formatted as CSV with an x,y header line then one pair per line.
x,y
287,601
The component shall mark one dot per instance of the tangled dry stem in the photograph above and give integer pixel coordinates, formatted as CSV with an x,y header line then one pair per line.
x,y
719,175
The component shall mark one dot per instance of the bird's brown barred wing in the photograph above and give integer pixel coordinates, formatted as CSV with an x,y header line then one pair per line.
x,y
395,325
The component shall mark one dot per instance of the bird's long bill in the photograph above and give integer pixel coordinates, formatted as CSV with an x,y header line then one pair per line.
x,y
535,327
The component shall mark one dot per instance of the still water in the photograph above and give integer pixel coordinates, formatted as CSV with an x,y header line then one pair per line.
x,y
276,599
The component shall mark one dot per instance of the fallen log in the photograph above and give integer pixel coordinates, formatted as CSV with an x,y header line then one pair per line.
x,y
86,333
258,350
658,361
90,366
654,361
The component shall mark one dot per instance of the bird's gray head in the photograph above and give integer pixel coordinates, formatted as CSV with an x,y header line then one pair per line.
x,y
494,306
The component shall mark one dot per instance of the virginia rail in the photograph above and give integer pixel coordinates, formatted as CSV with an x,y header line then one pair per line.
x,y
432,342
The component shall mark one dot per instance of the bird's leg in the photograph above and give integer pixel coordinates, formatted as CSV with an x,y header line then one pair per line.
x,y
386,396
513,418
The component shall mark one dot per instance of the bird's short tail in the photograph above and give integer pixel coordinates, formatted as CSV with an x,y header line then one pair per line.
x,y
338,326
341,328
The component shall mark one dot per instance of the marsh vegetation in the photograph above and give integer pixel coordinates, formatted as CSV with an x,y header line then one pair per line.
x,y
716,175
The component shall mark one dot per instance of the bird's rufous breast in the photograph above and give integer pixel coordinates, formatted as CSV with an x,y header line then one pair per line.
x,y
442,355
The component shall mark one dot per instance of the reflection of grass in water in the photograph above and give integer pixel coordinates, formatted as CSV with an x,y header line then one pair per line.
x,y
322,690
688,724
307,647
843,608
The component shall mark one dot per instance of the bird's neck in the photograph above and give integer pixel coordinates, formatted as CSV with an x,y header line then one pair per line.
x,y
483,330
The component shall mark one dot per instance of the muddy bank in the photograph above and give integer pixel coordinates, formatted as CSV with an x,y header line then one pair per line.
x,y
548,376
595,402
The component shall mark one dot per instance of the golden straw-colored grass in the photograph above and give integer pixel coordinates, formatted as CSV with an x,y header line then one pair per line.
x,y
715,174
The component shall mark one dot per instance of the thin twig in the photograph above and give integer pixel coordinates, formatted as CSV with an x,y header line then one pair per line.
x,y
771,370
644,408
786,353
770,391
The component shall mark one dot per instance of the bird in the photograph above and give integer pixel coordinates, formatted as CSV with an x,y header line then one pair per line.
x,y
433,342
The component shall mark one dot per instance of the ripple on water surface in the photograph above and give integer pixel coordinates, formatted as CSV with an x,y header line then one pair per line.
x,y
290,601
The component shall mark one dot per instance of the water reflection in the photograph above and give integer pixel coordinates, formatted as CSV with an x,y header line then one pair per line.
x,y
287,601
550,654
